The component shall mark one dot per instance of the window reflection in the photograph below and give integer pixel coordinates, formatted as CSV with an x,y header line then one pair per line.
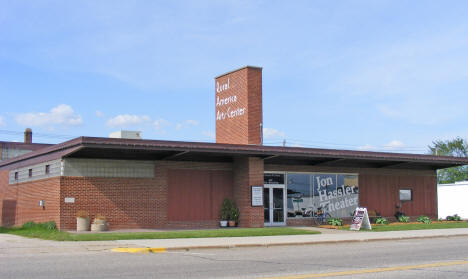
x,y
308,194
300,195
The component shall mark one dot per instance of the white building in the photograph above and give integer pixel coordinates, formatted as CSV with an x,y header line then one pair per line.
x,y
453,199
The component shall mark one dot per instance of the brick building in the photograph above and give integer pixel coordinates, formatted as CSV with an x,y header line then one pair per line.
x,y
171,184
10,150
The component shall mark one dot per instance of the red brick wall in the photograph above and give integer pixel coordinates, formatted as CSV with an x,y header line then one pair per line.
x,y
381,193
129,202
20,201
7,217
248,171
125,202
378,188
196,195
243,91
161,174
255,109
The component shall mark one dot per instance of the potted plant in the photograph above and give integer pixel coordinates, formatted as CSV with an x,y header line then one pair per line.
x,y
225,212
82,221
233,216
99,223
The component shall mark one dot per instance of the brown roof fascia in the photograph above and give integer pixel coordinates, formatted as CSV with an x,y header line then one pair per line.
x,y
259,150
234,149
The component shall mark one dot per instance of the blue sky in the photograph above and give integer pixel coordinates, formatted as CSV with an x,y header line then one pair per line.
x,y
366,75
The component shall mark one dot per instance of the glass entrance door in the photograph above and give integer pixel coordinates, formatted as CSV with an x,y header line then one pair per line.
x,y
274,204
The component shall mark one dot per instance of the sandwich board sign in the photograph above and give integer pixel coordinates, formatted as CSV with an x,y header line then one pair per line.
x,y
360,219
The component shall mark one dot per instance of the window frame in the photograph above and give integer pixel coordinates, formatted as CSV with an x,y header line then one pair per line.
x,y
410,193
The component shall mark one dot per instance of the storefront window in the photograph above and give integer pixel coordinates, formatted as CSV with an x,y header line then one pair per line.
x,y
300,195
308,194
347,196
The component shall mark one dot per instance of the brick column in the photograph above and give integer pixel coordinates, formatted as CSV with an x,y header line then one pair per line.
x,y
238,106
248,171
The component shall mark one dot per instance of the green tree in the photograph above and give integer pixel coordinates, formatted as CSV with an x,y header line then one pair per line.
x,y
457,147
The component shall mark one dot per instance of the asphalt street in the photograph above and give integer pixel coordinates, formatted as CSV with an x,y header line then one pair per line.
x,y
416,258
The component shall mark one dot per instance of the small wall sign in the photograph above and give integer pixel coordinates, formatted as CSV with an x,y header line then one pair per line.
x,y
257,196
69,200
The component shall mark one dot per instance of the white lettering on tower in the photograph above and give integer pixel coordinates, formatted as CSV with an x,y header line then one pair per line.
x,y
222,87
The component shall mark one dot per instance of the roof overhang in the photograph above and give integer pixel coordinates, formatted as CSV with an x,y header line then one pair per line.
x,y
110,148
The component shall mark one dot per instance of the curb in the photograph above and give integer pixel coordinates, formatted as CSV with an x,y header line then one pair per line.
x,y
139,250
230,246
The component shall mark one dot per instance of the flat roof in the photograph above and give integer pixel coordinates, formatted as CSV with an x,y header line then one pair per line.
x,y
238,69
136,149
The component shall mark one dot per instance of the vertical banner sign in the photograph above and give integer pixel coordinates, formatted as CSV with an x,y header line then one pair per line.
x,y
360,219
257,195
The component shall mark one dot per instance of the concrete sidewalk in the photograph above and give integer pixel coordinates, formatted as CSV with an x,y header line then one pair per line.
x,y
327,236
11,244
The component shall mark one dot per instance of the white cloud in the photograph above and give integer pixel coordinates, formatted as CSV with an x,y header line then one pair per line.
x,y
387,111
421,111
209,134
297,145
415,66
60,115
394,144
270,133
159,124
367,147
123,120
2,121
414,79
99,113
186,123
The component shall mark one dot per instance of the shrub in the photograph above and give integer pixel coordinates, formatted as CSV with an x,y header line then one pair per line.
x,y
225,211
381,220
50,226
234,215
82,214
28,225
403,219
100,217
335,221
424,219
453,218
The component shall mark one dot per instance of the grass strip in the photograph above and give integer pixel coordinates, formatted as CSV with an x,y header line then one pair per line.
x,y
38,232
412,226
422,226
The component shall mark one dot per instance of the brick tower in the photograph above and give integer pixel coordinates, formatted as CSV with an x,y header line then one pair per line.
x,y
238,106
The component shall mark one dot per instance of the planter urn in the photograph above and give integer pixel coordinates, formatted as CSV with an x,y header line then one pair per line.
x,y
223,223
99,225
82,224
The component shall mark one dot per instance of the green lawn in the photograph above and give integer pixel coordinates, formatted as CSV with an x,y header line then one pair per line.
x,y
421,226
38,231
